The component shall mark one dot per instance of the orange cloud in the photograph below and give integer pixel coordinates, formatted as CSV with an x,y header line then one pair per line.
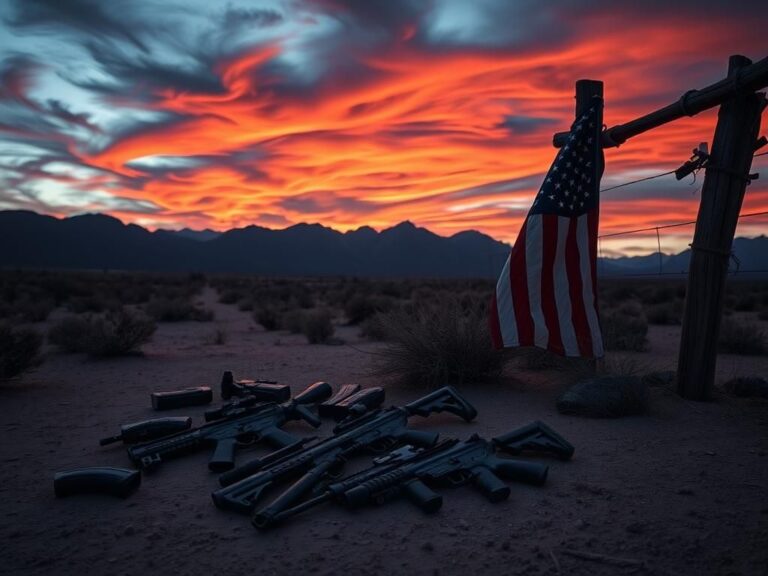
x,y
450,139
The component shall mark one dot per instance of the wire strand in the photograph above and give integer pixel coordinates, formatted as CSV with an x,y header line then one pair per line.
x,y
636,181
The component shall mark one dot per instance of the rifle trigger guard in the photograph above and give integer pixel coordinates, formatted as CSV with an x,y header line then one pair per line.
x,y
459,478
246,439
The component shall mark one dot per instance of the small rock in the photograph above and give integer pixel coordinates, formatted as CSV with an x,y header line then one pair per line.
x,y
685,492
747,387
129,530
428,547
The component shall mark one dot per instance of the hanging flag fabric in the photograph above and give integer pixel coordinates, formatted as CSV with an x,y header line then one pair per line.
x,y
546,295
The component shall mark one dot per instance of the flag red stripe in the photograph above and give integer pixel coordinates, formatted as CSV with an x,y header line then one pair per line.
x,y
594,222
519,282
575,287
548,306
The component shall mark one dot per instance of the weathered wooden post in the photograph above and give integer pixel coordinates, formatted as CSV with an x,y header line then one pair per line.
x,y
725,182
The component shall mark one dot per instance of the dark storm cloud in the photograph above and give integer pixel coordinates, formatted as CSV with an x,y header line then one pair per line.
x,y
235,17
90,17
140,76
325,201
526,124
390,14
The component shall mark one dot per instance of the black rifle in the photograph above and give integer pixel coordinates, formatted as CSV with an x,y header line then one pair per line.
x,y
262,422
149,430
376,430
535,437
414,472
264,390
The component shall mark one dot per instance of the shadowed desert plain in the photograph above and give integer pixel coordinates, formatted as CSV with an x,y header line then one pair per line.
x,y
682,489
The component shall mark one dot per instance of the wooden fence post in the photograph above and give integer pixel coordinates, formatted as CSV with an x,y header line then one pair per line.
x,y
722,193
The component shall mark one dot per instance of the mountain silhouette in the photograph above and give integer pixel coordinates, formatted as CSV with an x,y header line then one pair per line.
x,y
97,241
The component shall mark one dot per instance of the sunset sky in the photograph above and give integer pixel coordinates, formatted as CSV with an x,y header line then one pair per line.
x,y
207,114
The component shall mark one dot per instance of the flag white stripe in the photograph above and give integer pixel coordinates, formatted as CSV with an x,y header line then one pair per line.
x,y
534,254
505,308
582,236
562,290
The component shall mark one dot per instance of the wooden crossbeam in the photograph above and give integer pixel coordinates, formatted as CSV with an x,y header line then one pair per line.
x,y
749,79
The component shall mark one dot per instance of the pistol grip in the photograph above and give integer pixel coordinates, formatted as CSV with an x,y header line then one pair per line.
x,y
223,458
421,495
491,485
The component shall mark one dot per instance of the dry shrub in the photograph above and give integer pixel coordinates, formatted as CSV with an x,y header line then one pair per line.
x,y
293,321
164,309
117,333
317,326
373,328
361,307
19,350
741,338
268,318
625,327
439,347
665,314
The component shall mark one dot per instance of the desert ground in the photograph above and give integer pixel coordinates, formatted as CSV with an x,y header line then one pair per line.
x,y
680,490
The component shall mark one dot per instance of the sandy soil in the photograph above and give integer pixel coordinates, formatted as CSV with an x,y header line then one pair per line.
x,y
683,490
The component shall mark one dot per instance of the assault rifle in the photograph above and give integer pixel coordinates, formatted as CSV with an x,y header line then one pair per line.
x,y
376,430
414,472
261,422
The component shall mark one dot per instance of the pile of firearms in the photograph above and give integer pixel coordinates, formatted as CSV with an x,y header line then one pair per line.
x,y
414,463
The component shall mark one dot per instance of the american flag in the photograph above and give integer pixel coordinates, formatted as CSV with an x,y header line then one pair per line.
x,y
546,295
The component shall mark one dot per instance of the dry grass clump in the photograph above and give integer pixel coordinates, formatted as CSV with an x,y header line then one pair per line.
x,y
318,326
741,338
178,309
437,347
665,313
19,350
625,327
118,333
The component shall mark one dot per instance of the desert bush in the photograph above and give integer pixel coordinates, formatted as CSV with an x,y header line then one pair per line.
x,y
245,305
70,334
19,350
230,296
361,307
164,309
746,302
268,318
96,302
625,327
741,338
293,321
667,313
317,326
118,333
437,348
373,328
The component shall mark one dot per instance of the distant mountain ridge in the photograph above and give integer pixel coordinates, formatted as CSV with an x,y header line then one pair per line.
x,y
97,241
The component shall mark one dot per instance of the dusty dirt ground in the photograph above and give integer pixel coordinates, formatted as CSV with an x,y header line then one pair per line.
x,y
683,490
